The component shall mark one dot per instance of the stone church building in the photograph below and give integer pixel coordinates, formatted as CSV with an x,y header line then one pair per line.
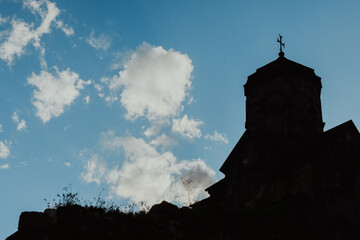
x,y
286,156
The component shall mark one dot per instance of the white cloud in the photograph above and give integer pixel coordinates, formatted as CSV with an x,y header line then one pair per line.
x,y
217,137
43,62
95,170
5,166
100,42
68,164
147,175
154,82
55,92
21,124
1,128
186,127
18,38
163,140
4,149
23,34
196,176
48,14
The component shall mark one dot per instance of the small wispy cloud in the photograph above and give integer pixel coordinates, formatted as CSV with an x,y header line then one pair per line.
x,y
152,131
95,169
87,99
21,123
102,41
217,137
164,140
187,127
3,20
4,149
5,166
67,127
119,59
23,33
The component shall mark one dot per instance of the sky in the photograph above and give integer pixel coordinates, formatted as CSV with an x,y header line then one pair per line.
x,y
132,99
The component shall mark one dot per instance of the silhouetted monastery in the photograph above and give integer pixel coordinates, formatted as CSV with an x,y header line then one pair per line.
x,y
284,152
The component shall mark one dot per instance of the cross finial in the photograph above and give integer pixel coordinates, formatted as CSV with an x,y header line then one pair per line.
x,y
281,53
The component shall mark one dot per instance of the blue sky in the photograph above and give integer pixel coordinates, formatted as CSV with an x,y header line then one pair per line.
x,y
132,96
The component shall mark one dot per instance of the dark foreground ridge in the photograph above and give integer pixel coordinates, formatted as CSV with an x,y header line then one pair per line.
x,y
292,218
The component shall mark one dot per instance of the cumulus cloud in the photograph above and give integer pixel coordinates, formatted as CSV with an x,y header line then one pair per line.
x,y
21,123
55,92
154,82
145,175
217,137
150,176
186,127
195,177
4,149
68,164
1,128
23,33
99,42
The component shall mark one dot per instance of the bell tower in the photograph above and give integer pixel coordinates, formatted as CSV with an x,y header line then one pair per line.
x,y
283,99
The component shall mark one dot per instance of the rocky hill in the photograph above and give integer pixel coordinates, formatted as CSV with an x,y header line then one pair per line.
x,y
296,218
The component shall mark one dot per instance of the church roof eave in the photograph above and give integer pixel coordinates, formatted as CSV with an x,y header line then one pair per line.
x,y
239,145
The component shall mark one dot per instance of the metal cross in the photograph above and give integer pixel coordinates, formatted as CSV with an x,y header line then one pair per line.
x,y
281,43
